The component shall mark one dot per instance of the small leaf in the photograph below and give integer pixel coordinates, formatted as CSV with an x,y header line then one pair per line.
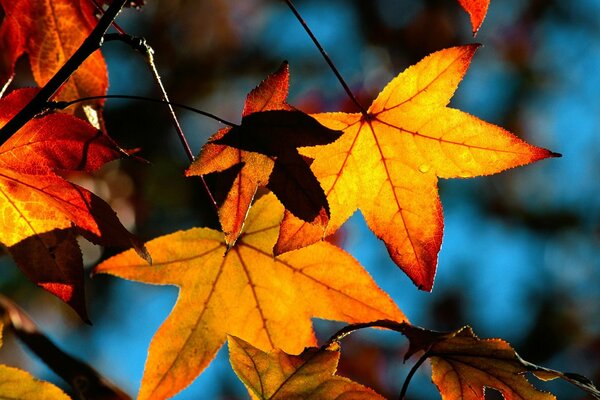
x,y
278,134
277,375
477,10
244,291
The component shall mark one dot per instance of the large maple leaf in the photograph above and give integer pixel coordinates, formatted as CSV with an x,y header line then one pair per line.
x,y
279,376
18,384
39,208
388,162
244,292
49,32
263,152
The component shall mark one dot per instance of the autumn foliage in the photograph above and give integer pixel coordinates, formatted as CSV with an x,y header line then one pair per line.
x,y
282,181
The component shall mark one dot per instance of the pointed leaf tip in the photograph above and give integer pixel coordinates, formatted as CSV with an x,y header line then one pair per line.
x,y
388,164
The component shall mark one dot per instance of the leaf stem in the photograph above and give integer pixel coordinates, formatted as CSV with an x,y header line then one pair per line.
x,y
411,373
89,45
351,95
86,381
60,105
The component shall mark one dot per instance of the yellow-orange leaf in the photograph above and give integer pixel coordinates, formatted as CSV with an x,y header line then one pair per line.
x,y
49,32
477,10
278,375
245,292
20,385
388,162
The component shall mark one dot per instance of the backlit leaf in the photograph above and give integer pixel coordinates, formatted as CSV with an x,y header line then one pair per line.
x,y
388,162
38,207
477,10
464,365
247,292
49,32
264,147
277,375
20,385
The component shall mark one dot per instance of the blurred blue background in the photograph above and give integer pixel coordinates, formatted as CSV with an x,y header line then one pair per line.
x,y
521,253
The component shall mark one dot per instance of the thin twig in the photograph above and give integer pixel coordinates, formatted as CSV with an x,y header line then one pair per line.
x,y
140,45
326,57
87,382
100,10
89,45
348,329
411,373
60,105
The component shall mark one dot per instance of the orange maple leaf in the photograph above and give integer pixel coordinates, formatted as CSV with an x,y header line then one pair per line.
x,y
38,206
49,32
262,151
477,10
388,162
18,384
278,376
244,292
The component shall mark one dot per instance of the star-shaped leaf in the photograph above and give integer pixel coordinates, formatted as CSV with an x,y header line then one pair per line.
x,y
278,375
264,148
389,159
245,292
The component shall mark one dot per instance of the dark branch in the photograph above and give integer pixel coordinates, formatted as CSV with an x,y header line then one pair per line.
x,y
89,45
87,383
326,57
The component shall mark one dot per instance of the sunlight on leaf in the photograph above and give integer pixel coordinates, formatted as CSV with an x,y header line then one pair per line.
x,y
388,162
38,206
477,10
277,375
464,365
20,385
246,292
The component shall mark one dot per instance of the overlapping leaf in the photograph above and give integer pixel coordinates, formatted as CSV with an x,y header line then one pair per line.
x,y
244,292
388,162
49,32
18,384
39,208
477,10
263,149
278,375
